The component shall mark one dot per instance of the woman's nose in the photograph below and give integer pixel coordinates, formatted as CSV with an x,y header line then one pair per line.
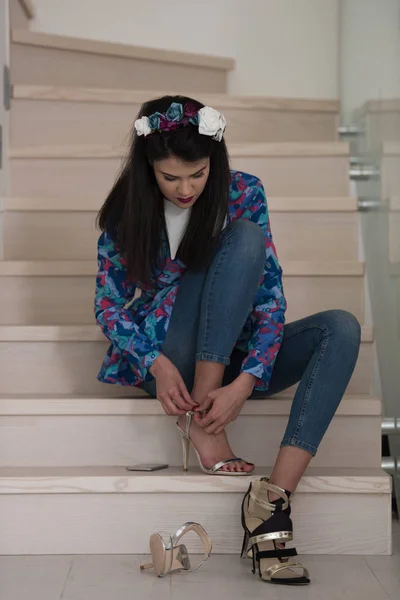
x,y
185,189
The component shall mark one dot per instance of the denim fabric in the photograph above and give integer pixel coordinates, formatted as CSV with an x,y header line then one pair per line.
x,y
212,306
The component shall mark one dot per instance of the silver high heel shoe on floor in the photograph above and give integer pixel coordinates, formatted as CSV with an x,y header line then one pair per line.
x,y
169,555
215,470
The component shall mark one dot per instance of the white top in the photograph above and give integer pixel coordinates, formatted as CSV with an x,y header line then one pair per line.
x,y
176,220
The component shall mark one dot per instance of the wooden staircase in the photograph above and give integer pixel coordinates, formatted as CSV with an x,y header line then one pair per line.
x,y
66,438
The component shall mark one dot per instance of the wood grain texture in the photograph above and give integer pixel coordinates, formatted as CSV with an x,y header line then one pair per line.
x,y
44,65
66,360
50,122
46,40
138,403
39,295
91,204
75,523
82,268
85,333
69,504
72,235
126,96
310,176
277,150
108,440
78,480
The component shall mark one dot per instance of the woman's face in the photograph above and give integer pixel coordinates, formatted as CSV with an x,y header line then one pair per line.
x,y
181,182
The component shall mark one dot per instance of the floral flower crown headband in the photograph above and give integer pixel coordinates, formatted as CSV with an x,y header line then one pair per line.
x,y
209,121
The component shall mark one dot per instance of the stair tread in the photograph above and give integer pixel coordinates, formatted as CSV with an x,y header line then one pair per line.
x,y
77,44
274,149
275,204
142,405
58,268
53,480
84,333
126,96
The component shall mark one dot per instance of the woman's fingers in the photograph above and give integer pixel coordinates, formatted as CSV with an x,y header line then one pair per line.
x,y
169,407
185,395
177,399
205,405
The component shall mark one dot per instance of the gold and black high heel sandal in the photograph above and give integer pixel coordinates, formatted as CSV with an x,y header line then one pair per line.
x,y
169,555
214,470
265,525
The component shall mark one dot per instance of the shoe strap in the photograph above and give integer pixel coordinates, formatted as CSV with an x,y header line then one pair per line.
x,y
287,565
203,535
271,487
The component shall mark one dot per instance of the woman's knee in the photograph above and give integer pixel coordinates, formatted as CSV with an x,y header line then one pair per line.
x,y
344,326
249,238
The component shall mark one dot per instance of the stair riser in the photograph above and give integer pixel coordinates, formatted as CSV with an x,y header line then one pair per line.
x,y
55,122
72,367
121,523
91,177
37,300
125,440
73,235
34,65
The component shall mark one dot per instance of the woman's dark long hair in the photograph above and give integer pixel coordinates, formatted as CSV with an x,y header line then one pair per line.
x,y
133,213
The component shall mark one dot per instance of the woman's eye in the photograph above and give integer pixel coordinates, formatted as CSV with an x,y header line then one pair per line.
x,y
169,178
199,176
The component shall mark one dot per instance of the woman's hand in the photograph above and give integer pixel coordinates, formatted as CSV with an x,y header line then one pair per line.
x,y
171,389
226,404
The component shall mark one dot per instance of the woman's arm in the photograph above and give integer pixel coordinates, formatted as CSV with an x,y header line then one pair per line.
x,y
113,291
268,316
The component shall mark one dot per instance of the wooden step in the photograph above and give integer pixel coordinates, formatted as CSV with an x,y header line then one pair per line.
x,y
107,510
62,292
46,59
121,431
21,13
64,229
55,115
302,169
66,360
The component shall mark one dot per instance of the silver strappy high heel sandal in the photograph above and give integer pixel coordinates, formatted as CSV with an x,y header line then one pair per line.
x,y
215,470
169,556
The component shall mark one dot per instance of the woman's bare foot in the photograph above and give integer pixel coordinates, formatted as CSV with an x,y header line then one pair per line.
x,y
213,448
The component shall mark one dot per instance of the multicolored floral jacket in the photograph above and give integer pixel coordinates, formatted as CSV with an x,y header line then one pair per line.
x,y
137,329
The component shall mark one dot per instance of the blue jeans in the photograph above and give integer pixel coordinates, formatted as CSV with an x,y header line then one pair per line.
x,y
210,310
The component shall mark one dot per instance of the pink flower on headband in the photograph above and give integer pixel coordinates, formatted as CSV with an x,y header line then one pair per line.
x,y
190,110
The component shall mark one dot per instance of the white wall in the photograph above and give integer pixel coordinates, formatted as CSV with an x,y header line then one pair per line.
x,y
283,47
370,52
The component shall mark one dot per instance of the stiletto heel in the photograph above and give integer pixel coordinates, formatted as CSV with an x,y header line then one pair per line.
x,y
215,470
245,545
267,524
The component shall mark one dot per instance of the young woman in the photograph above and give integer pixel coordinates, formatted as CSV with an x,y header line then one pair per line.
x,y
208,329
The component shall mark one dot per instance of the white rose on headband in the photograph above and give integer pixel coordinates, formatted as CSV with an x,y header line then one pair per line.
x,y
211,123
142,126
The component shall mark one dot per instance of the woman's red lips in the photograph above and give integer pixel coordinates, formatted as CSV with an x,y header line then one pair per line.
x,y
186,199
